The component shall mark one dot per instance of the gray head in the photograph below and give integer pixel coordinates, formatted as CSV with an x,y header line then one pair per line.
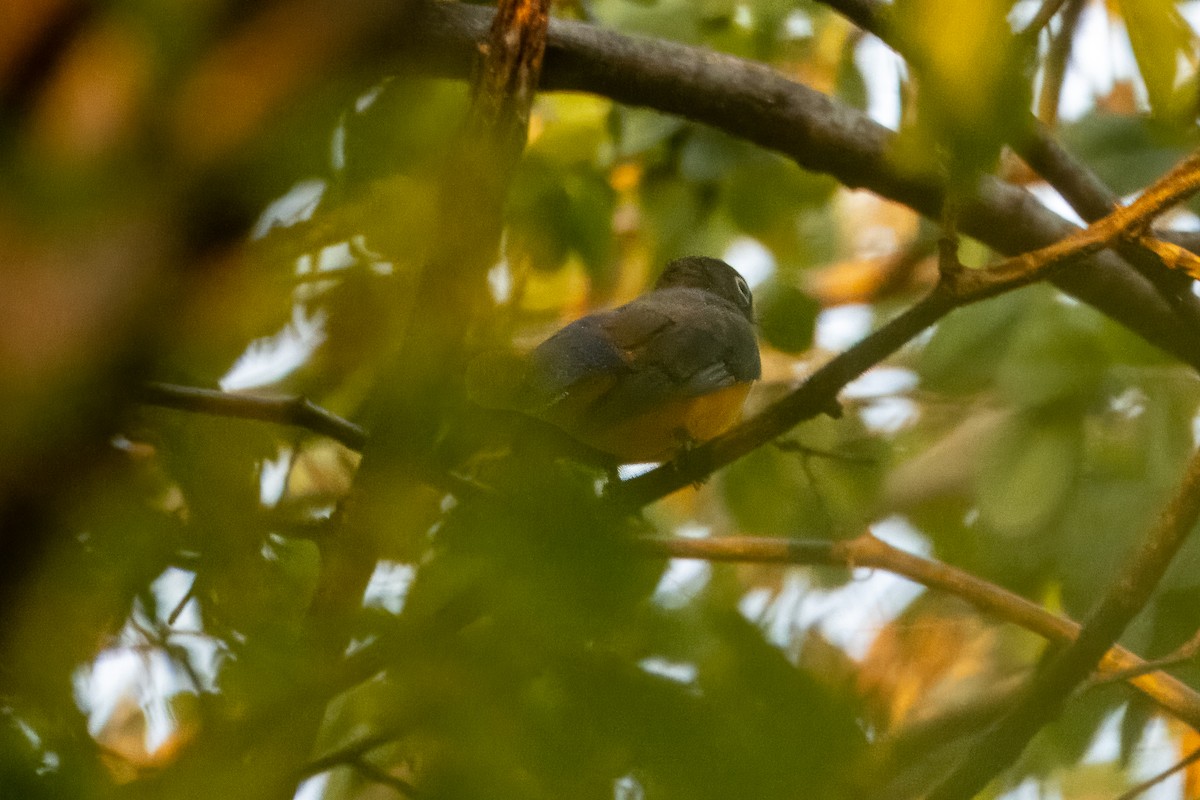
x,y
711,275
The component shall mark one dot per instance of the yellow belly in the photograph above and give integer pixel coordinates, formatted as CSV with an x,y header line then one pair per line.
x,y
658,434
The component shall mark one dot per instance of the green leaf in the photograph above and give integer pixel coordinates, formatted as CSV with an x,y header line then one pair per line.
x,y
962,354
1056,358
636,130
1126,152
708,154
1160,38
972,91
554,211
822,480
764,195
786,315
1027,474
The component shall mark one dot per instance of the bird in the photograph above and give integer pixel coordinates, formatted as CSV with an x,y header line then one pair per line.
x,y
646,380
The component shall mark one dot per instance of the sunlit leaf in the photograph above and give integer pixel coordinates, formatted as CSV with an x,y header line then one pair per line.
x,y
971,97
1161,40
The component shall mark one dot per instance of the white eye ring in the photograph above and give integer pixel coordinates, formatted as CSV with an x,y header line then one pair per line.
x,y
743,288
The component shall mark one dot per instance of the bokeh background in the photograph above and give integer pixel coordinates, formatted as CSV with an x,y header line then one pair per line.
x,y
245,197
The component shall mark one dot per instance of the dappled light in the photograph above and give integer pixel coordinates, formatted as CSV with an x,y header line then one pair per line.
x,y
622,399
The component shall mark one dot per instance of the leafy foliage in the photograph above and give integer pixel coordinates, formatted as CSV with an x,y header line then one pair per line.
x,y
197,605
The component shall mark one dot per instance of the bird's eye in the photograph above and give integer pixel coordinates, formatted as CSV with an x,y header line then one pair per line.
x,y
743,288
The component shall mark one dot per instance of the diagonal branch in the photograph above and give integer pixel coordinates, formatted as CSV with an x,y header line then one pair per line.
x,y
1151,782
958,287
869,551
1078,185
1182,181
1126,596
758,104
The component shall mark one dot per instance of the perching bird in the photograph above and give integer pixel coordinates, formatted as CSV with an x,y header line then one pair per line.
x,y
640,382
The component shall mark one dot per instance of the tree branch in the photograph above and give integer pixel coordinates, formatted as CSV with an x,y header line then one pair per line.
x,y
286,410
867,550
756,103
1057,56
353,755
1126,596
1078,185
957,287
1149,783
1181,655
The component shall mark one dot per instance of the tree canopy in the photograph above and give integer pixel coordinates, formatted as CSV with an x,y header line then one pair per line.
x,y
258,540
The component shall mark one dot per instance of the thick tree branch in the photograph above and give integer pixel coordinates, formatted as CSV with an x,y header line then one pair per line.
x,y
756,103
868,551
1078,185
1126,596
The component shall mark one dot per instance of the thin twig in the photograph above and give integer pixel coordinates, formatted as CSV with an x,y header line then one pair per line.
x,y
183,601
347,754
791,446
1042,18
1181,655
1057,56
1178,184
381,776
284,410
1149,783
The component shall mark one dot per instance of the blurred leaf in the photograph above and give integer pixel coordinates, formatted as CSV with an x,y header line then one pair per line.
x,y
1135,453
966,347
1057,358
786,316
1027,473
636,130
763,195
822,480
678,20
708,154
768,493
972,92
554,212
852,84
570,128
675,214
1161,38
382,136
1126,152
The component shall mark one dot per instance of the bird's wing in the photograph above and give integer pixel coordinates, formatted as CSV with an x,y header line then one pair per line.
x,y
702,345
612,365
